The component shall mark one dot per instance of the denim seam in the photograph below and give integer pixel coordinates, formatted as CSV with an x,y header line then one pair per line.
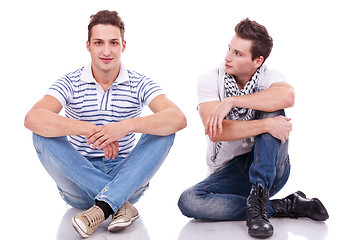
x,y
255,167
283,165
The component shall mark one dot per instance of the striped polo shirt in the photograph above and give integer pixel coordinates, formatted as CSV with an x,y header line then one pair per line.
x,y
85,100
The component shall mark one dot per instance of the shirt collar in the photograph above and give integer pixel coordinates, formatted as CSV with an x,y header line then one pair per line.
x,y
87,76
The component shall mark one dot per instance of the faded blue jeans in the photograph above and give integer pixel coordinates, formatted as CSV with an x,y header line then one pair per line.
x,y
81,180
223,195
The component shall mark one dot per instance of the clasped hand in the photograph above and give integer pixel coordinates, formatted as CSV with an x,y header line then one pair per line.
x,y
105,137
279,127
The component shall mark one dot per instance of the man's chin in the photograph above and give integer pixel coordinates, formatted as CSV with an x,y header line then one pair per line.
x,y
228,71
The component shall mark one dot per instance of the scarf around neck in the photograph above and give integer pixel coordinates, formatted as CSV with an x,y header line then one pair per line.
x,y
242,114
232,90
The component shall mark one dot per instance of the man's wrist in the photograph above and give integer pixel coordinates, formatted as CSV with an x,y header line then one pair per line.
x,y
130,124
84,127
267,126
235,102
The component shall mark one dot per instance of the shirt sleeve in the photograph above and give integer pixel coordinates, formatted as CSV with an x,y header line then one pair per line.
x,y
148,90
273,76
208,87
62,90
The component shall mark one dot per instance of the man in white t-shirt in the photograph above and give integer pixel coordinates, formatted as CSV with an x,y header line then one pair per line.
x,y
241,106
99,167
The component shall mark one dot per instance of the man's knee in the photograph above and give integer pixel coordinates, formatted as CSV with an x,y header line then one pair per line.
x,y
38,141
76,200
263,115
41,143
160,141
169,139
187,203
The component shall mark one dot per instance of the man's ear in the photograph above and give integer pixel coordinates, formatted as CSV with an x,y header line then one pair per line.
x,y
88,45
258,61
123,45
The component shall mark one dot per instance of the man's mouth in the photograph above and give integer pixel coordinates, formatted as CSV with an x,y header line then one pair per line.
x,y
227,65
106,60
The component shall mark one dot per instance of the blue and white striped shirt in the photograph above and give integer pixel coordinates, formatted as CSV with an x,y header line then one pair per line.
x,y
85,100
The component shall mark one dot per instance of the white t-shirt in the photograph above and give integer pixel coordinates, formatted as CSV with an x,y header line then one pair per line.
x,y
211,88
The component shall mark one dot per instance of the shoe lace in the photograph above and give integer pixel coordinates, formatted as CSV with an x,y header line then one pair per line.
x,y
255,209
121,211
258,207
94,216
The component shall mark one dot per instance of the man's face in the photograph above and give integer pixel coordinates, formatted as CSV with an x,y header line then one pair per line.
x,y
238,59
105,48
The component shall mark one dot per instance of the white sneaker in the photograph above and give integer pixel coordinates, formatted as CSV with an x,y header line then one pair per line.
x,y
87,222
123,217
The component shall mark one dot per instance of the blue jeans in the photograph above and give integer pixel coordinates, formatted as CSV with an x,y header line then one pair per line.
x,y
223,195
82,180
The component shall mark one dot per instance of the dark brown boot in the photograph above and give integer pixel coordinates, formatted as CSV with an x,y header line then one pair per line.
x,y
297,205
256,213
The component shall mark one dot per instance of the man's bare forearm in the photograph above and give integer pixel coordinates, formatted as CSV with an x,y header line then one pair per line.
x,y
49,124
161,123
236,130
278,96
279,127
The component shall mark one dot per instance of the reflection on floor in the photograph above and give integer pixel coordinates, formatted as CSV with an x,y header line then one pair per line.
x,y
285,229
136,230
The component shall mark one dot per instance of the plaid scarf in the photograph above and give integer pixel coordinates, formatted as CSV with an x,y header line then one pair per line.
x,y
232,90
241,114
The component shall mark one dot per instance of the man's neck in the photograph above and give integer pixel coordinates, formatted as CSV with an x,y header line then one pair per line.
x,y
241,82
105,79
243,79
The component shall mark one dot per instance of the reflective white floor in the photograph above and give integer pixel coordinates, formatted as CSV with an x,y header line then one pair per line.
x,y
194,229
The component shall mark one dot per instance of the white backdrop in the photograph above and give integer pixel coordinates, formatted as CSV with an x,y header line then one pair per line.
x,y
316,45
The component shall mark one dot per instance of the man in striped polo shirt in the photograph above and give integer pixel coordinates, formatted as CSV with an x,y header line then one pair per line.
x,y
91,152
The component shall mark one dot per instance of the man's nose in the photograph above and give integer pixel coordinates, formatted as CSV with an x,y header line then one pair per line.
x,y
107,49
228,56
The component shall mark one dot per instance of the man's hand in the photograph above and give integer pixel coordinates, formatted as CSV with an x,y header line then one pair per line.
x,y
104,135
111,150
216,117
279,127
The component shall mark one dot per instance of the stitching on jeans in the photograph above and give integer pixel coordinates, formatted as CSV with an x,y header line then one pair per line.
x,y
282,166
255,164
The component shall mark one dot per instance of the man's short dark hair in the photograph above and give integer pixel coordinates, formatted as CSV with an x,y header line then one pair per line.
x,y
262,43
106,17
